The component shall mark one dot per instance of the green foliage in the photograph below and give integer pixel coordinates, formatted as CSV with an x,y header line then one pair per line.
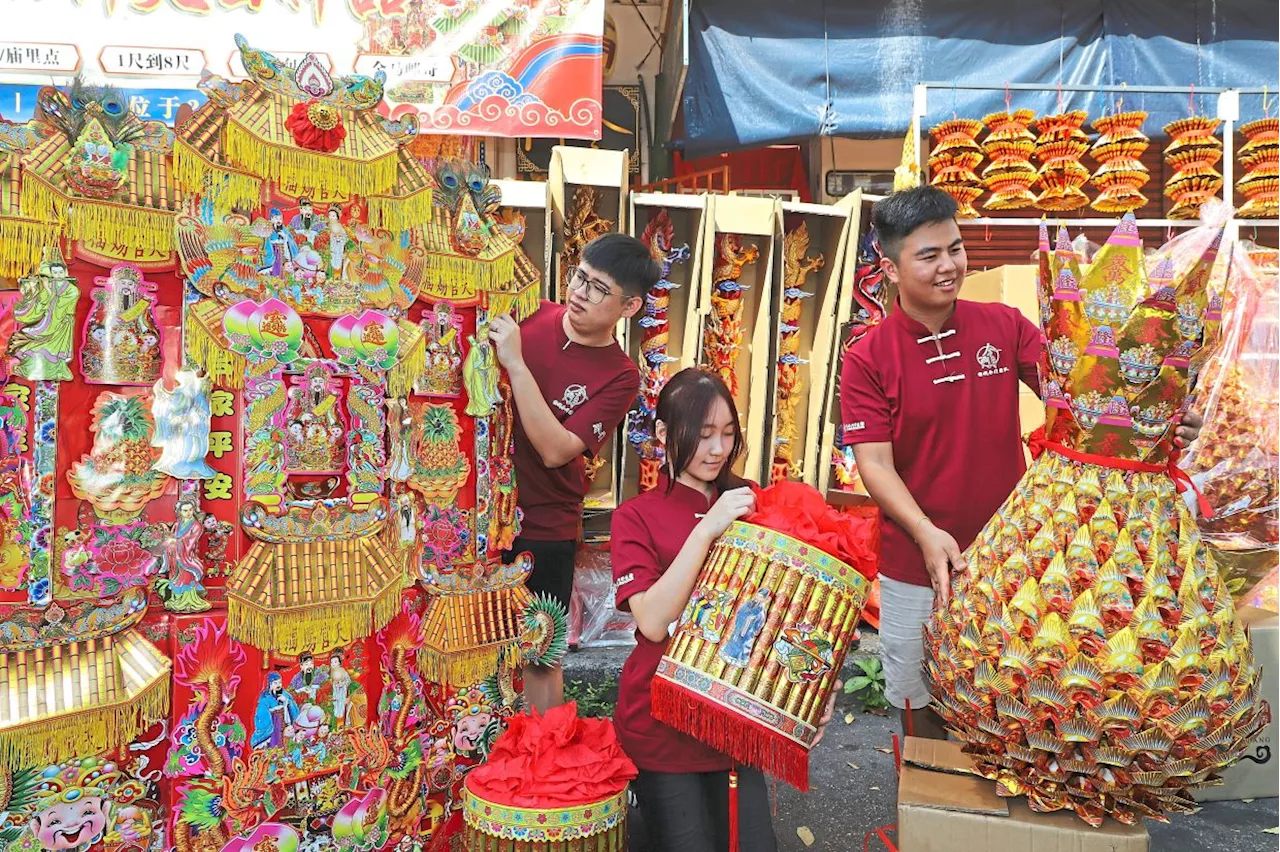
x,y
868,685
594,699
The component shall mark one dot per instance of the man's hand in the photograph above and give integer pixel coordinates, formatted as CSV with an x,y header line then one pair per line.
x,y
828,714
1188,429
504,334
941,557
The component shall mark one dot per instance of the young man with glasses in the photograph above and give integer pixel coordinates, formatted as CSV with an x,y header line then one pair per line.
x,y
572,385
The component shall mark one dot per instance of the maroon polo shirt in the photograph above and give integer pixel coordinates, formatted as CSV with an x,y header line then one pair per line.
x,y
590,389
646,534
951,416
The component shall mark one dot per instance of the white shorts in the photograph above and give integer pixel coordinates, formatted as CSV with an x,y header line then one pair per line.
x,y
904,609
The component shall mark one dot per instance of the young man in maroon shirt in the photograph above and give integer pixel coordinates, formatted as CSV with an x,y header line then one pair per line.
x,y
572,385
929,402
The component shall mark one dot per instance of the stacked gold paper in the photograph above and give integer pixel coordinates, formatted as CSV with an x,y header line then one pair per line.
x,y
1090,657
1121,174
1010,174
1059,147
955,155
1193,152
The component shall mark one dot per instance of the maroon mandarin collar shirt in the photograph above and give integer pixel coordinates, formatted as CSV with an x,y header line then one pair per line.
x,y
948,403
590,389
646,535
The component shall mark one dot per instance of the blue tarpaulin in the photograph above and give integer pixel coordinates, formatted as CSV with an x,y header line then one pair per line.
x,y
769,72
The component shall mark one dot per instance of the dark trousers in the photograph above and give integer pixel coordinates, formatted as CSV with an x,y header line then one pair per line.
x,y
689,812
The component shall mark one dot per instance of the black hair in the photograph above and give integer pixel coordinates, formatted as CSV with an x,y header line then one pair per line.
x,y
684,405
896,216
626,260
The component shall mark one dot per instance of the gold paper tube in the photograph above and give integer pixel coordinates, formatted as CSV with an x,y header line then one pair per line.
x,y
705,650
795,587
839,629
819,595
802,694
799,601
772,571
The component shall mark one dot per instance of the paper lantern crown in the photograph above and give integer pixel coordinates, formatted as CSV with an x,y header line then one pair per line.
x,y
1123,345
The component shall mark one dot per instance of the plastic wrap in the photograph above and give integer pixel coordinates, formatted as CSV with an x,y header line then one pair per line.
x,y
1235,460
594,619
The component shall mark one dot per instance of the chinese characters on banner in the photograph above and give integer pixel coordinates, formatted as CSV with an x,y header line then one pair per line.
x,y
522,68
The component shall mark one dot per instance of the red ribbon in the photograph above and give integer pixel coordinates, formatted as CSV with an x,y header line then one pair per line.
x,y
1181,480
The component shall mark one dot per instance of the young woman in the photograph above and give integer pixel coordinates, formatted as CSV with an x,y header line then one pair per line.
x,y
659,542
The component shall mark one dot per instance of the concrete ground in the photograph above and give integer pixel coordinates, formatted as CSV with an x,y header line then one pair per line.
x,y
853,787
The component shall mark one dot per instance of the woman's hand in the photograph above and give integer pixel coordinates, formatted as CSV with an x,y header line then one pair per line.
x,y
731,506
828,714
1188,429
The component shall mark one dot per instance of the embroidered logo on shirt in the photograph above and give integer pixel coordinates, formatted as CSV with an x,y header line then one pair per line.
x,y
989,361
572,398
857,426
623,580
598,428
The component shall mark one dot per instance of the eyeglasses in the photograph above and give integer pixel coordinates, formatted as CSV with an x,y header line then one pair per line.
x,y
597,291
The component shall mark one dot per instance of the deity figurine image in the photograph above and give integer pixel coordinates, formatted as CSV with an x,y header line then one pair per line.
x,y
338,239
747,623
340,683
480,374
315,435
442,373
181,566
182,427
305,224
280,248
274,716
45,316
121,341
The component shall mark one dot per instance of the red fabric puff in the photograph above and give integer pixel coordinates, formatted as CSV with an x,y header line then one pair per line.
x,y
799,511
316,126
553,761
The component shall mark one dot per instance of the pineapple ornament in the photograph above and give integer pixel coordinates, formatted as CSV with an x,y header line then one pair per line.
x,y
1089,657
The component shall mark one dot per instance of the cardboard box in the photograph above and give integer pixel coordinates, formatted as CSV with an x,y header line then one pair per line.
x,y
1015,286
859,210
572,168
944,808
828,229
1256,775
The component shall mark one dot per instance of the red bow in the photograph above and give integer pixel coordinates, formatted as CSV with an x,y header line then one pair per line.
x,y
1037,443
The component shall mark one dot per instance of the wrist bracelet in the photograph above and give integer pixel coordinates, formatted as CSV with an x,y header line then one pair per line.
x,y
923,518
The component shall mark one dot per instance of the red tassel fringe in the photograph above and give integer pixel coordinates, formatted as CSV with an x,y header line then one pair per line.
x,y
733,810
731,733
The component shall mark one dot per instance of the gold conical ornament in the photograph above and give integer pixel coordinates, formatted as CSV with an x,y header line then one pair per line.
x,y
1090,657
